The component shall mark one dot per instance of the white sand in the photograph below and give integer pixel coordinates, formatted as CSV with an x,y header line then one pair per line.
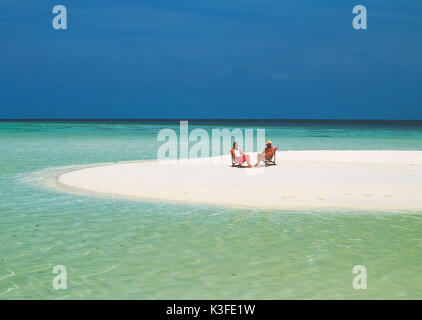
x,y
384,180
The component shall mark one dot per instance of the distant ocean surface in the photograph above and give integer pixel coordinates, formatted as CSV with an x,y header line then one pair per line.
x,y
126,249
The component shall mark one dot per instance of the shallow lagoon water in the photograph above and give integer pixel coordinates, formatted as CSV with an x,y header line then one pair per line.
x,y
115,248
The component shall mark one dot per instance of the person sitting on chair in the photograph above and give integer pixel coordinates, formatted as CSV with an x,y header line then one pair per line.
x,y
267,154
239,156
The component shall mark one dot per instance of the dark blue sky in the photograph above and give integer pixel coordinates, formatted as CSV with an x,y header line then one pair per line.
x,y
211,59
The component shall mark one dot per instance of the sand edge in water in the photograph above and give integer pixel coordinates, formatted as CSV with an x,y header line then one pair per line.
x,y
376,180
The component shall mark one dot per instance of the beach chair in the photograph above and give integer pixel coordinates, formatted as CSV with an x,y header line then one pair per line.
x,y
271,162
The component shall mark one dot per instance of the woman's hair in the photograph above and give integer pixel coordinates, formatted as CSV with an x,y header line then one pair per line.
x,y
234,144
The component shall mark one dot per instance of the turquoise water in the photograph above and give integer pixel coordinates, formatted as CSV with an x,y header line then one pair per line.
x,y
122,249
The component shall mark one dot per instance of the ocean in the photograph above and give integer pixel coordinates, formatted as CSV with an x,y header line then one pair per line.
x,y
130,249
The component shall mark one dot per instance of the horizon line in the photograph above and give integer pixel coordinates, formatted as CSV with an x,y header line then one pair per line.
x,y
207,119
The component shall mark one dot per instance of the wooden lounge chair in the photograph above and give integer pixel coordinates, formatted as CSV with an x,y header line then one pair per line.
x,y
271,161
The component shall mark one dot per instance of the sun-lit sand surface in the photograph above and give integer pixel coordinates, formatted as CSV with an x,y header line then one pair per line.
x,y
390,180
